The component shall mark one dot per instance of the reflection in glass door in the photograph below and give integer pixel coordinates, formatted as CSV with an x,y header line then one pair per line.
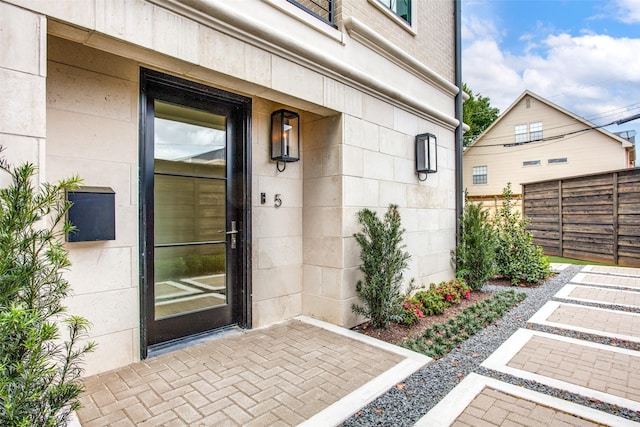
x,y
189,210
194,203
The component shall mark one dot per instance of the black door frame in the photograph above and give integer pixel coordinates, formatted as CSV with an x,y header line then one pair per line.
x,y
152,84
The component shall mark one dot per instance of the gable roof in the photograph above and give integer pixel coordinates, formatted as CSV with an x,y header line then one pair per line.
x,y
588,124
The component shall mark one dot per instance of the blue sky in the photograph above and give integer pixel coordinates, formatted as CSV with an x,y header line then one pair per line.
x,y
582,55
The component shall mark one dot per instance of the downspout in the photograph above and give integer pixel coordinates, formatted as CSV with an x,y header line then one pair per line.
x,y
458,115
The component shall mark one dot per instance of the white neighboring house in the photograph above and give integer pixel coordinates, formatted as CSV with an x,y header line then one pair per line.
x,y
535,140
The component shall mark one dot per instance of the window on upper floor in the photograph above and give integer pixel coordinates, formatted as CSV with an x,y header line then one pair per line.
x,y
402,8
528,132
321,9
535,131
479,174
521,133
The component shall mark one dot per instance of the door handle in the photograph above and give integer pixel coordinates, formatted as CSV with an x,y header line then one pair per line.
x,y
234,230
232,233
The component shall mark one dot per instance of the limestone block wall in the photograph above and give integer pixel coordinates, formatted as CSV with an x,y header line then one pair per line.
x,y
92,131
277,232
326,285
365,159
22,86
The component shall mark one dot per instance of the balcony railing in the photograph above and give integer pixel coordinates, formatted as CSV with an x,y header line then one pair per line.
x,y
321,9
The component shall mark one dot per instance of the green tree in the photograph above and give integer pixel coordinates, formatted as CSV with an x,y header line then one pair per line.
x,y
475,256
517,257
478,113
383,261
39,372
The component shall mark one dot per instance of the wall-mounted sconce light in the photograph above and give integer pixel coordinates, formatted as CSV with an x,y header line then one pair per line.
x,y
426,154
285,137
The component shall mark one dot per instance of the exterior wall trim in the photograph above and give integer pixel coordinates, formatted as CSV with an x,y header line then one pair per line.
x,y
213,13
365,35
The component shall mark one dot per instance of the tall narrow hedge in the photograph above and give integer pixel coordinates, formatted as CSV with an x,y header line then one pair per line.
x,y
383,262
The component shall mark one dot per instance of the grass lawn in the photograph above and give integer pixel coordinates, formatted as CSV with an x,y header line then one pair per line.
x,y
573,261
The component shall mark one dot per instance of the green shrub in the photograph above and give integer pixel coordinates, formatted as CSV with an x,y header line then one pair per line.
x,y
39,373
431,302
475,256
517,258
383,261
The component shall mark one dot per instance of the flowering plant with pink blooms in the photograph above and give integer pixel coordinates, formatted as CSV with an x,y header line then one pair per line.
x,y
432,301
452,291
412,311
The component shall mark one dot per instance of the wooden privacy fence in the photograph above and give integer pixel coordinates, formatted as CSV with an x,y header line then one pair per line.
x,y
592,217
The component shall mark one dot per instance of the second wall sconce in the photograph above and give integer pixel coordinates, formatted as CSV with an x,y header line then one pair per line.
x,y
285,138
426,154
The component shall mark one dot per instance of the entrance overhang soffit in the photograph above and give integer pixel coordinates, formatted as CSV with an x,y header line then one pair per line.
x,y
215,14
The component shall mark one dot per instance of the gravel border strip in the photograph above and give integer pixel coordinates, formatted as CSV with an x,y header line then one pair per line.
x,y
405,405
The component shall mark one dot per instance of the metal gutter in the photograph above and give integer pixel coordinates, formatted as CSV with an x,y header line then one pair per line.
x,y
458,116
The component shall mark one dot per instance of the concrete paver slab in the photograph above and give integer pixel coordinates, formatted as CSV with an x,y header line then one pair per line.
x,y
591,320
480,400
618,271
599,295
607,373
557,267
287,374
630,282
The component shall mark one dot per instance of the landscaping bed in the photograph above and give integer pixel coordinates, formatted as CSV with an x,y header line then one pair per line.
x,y
396,333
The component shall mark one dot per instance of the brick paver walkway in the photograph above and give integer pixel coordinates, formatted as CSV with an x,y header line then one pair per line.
x,y
607,371
608,321
495,408
281,375
606,296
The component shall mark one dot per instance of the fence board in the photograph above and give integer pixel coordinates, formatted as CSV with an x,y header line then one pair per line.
x,y
542,210
624,178
587,200
589,210
587,181
596,218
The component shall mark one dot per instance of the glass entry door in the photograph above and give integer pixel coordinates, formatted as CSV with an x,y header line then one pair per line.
x,y
193,210
189,210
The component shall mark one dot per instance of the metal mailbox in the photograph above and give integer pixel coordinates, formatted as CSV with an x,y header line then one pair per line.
x,y
93,214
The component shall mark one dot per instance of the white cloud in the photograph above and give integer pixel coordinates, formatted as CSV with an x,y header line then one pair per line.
x,y
589,74
474,28
629,11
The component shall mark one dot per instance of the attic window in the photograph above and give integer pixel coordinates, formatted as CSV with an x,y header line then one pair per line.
x,y
556,161
521,133
535,131
531,163
528,132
